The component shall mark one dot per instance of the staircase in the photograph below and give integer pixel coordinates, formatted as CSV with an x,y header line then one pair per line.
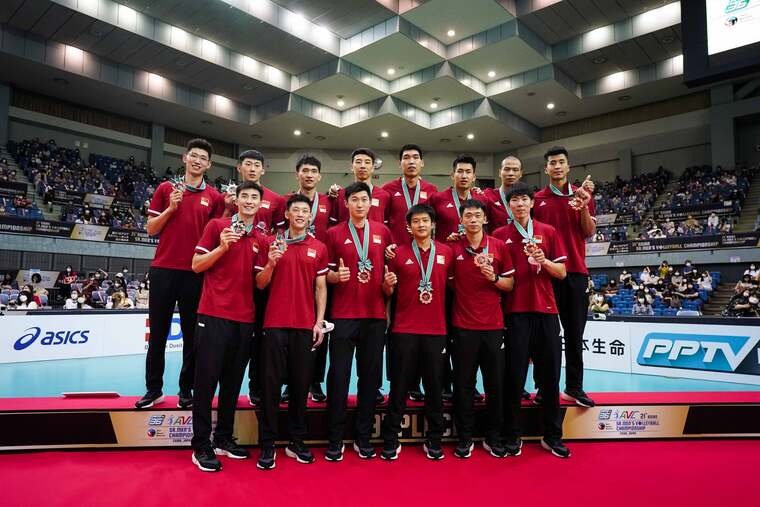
x,y
633,230
719,299
746,221
49,212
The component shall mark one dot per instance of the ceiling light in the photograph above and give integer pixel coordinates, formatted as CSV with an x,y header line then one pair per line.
x,y
599,59
444,140
561,114
391,71
383,134
471,136
668,39
451,33
207,122
340,103
550,105
320,138
506,141
623,98
296,132
530,94
434,105
491,73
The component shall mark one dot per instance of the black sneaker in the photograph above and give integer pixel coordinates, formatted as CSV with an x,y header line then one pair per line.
x,y
525,395
335,451
538,398
185,400
317,395
391,450
433,450
254,400
231,449
464,449
266,458
513,446
447,396
579,397
285,395
556,447
299,452
149,400
206,460
364,449
379,398
416,395
477,396
495,449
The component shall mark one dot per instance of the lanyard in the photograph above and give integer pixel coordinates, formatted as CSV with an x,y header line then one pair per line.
x,y
426,273
409,202
506,206
556,191
361,249
455,196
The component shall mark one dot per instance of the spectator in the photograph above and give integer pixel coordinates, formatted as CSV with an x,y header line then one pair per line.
x,y
25,300
9,282
612,288
744,283
117,286
625,277
642,307
664,269
142,295
64,281
76,302
119,302
687,290
598,237
645,276
740,306
687,269
753,272
727,227
706,281
677,278
713,222
598,304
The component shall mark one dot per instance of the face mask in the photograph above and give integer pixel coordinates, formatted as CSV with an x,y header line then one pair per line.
x,y
68,270
22,298
641,301
753,300
752,267
80,300
142,285
73,295
125,271
745,294
688,264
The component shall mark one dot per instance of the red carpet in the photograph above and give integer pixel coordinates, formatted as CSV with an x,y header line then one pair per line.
x,y
128,402
695,473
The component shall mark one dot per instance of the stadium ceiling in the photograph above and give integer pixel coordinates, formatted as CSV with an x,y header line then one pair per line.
x,y
343,71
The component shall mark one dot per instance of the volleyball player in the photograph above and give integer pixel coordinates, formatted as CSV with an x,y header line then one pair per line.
x,y
482,272
356,255
571,211
538,256
226,253
179,211
407,191
293,327
422,267
363,168
498,207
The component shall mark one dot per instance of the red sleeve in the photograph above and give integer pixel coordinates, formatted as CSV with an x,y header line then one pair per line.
x,y
507,267
334,201
332,258
450,267
500,233
322,259
209,239
263,256
392,265
160,200
557,251
387,238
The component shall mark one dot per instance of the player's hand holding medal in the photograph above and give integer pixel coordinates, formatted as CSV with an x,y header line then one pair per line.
x,y
178,189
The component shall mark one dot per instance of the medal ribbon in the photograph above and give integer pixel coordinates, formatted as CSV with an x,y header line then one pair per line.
x,y
455,196
506,206
472,252
527,235
409,202
289,240
361,249
180,180
556,191
426,273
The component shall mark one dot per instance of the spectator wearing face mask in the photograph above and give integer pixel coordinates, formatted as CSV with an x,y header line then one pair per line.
x,y
642,307
119,301
142,295
744,284
625,276
125,275
76,302
753,272
645,275
25,300
677,278
117,287
598,304
740,305
706,281
612,288
664,269
688,268
64,281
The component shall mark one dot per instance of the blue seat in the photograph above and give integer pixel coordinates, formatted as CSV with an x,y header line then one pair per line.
x,y
4,298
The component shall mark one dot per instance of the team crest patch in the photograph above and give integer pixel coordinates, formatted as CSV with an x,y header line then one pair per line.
x,y
509,241
255,247
449,205
543,203
397,194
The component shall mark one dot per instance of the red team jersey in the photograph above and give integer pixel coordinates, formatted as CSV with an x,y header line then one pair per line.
x,y
353,299
177,240
412,316
322,220
555,210
231,278
447,212
377,212
397,206
533,290
291,292
497,213
477,300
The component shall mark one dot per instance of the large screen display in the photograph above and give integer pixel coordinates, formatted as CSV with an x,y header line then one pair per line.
x,y
732,24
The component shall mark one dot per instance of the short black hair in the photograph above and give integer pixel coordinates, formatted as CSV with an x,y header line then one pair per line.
x,y
555,150
419,209
253,154
363,151
472,203
464,158
36,278
294,198
308,159
247,185
410,147
519,189
355,188
200,143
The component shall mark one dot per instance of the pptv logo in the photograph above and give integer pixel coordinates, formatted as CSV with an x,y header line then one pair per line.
x,y
51,338
732,354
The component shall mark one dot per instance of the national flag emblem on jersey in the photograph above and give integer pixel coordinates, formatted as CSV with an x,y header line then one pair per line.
x,y
255,247
375,202
322,209
440,259
204,201
397,194
543,203
423,195
377,239
449,205
311,253
265,204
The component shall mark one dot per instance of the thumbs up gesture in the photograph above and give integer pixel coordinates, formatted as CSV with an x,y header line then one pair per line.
x,y
344,273
389,278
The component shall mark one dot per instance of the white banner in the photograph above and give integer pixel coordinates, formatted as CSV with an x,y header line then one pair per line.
x,y
607,346
39,337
